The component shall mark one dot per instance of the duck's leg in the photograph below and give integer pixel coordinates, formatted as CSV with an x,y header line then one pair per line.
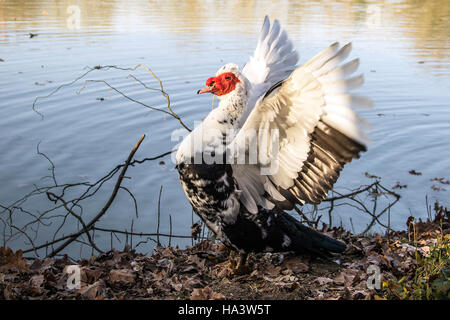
x,y
236,264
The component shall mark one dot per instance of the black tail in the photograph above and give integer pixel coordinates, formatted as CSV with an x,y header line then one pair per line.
x,y
304,239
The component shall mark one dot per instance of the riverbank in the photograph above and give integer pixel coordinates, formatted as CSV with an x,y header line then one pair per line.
x,y
411,264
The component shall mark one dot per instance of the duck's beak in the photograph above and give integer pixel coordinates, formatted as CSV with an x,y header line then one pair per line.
x,y
208,89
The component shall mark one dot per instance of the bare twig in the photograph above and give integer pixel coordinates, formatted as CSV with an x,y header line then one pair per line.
x,y
159,214
107,205
161,90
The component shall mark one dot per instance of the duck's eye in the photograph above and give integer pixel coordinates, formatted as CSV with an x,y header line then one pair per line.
x,y
228,77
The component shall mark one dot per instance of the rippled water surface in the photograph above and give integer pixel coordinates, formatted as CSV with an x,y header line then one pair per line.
x,y
404,47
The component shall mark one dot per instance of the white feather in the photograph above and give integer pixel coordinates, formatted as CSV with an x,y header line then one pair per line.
x,y
317,90
273,60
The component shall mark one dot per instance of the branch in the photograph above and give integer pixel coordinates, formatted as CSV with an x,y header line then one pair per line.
x,y
107,205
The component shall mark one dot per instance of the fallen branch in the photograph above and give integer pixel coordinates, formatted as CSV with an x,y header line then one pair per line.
x,y
107,205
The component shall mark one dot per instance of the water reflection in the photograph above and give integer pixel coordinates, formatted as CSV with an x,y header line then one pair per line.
x,y
423,25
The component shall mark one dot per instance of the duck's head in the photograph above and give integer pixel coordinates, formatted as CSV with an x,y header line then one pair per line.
x,y
228,79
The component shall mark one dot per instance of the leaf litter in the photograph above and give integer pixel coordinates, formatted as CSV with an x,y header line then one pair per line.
x,y
200,273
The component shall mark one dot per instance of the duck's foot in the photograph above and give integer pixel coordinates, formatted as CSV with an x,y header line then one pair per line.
x,y
237,264
242,266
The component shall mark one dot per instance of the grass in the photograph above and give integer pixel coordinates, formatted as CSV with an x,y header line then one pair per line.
x,y
431,279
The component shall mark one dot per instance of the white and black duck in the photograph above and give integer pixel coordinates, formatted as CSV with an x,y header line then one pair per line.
x,y
279,137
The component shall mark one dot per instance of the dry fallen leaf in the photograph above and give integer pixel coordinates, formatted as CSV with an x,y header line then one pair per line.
x,y
323,280
12,261
361,294
414,172
122,275
295,265
206,294
344,279
93,291
37,280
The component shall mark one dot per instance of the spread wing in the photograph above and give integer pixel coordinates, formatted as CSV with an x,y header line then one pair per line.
x,y
273,60
305,131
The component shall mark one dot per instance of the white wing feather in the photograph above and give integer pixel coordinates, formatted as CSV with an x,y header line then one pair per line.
x,y
316,91
273,60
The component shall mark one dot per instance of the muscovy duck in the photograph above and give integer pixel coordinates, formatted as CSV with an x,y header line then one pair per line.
x,y
280,136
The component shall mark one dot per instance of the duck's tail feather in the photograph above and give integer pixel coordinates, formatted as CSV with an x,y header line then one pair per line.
x,y
305,239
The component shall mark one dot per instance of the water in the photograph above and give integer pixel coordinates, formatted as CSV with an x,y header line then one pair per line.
x,y
404,47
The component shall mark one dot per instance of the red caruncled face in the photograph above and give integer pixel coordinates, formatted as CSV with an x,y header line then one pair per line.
x,y
222,84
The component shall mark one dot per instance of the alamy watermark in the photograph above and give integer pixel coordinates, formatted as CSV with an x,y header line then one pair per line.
x,y
74,19
373,16
74,279
374,279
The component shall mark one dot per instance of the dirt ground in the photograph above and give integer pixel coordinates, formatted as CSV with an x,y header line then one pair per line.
x,y
373,267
